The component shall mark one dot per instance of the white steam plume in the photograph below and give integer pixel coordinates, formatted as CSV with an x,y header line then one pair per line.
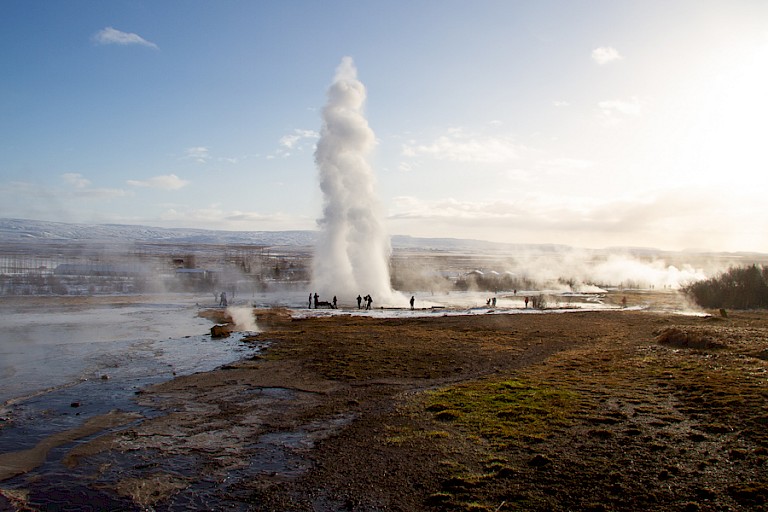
x,y
353,250
243,318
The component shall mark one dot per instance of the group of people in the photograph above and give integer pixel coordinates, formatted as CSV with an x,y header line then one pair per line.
x,y
492,302
314,299
368,301
318,302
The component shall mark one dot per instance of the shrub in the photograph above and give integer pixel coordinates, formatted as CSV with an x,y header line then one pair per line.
x,y
738,288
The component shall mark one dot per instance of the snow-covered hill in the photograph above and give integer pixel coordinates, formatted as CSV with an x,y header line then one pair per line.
x,y
20,230
24,230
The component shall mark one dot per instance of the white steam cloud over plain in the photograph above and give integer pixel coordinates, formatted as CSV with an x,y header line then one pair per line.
x,y
610,269
352,253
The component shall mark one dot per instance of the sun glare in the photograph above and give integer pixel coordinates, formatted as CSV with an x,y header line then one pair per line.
x,y
730,134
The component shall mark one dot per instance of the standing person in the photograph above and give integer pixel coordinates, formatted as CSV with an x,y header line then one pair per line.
x,y
317,297
412,301
493,302
334,302
310,301
370,301
359,300
526,303
223,299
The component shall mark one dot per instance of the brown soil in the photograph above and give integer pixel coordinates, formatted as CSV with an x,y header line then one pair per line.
x,y
599,411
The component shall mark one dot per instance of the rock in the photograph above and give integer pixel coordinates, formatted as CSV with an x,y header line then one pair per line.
x,y
220,331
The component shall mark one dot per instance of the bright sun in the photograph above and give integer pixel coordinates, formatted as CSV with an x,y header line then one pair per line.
x,y
731,136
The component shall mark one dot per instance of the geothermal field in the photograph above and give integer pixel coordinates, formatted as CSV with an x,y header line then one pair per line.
x,y
155,369
116,396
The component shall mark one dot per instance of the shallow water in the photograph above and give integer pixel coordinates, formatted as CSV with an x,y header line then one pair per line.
x,y
57,345
64,365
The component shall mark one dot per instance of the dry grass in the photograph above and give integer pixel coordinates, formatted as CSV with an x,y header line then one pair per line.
x,y
581,411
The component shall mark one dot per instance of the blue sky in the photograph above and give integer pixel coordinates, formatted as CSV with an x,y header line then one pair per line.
x,y
589,123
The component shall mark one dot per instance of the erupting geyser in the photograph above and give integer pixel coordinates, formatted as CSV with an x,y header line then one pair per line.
x,y
353,249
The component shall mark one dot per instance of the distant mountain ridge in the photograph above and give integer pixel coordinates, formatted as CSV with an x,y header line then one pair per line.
x,y
26,230
19,230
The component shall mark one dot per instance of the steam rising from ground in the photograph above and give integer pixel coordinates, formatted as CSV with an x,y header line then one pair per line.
x,y
656,274
243,318
609,269
353,249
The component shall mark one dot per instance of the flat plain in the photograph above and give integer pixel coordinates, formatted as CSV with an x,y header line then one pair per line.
x,y
598,410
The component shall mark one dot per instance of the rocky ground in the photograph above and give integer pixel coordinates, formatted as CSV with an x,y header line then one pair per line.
x,y
614,410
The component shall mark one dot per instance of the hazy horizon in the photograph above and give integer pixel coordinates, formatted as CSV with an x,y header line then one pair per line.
x,y
291,241
608,124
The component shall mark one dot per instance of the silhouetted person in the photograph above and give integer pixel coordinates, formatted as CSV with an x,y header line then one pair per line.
x,y
359,301
310,301
526,303
493,302
317,297
369,301
412,301
223,301
334,302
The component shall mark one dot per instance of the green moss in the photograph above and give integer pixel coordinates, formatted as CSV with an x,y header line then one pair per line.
x,y
502,410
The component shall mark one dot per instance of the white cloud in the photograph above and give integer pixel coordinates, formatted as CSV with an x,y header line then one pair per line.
x,y
665,219
238,216
630,107
459,146
102,193
75,179
111,35
167,182
83,190
215,217
197,153
211,213
291,140
606,55
576,164
408,207
559,104
296,140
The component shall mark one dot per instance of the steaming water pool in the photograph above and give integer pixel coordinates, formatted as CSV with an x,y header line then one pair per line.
x,y
53,344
